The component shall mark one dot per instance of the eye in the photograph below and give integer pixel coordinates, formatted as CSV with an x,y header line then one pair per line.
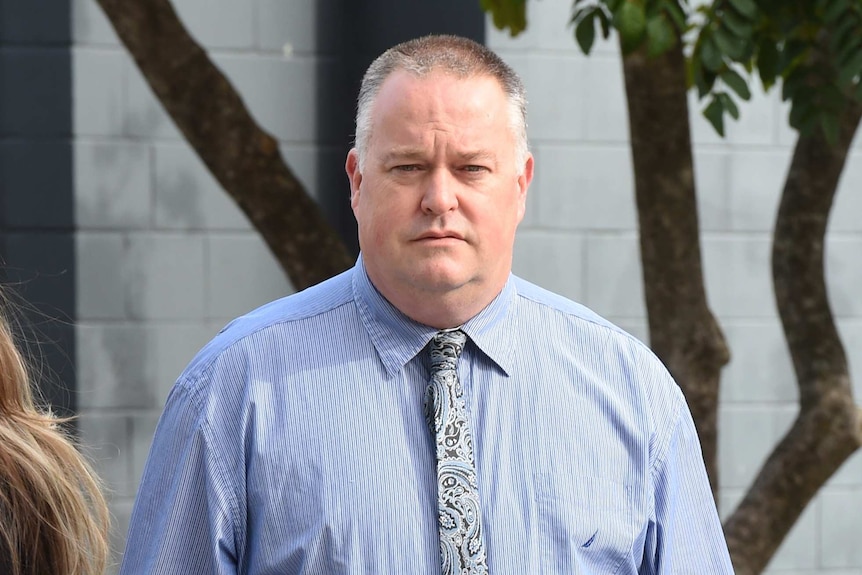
x,y
475,169
407,168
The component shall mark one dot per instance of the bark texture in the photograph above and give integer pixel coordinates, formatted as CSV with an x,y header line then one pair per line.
x,y
683,331
828,428
243,158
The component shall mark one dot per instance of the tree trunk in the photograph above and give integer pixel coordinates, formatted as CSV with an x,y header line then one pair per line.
x,y
243,158
828,428
683,331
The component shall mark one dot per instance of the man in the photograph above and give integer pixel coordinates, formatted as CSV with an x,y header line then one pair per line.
x,y
427,411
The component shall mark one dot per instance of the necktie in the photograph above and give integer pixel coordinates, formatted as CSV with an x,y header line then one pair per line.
x,y
462,546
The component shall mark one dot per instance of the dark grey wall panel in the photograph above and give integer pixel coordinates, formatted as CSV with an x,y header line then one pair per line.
x,y
32,82
38,267
37,256
35,176
364,30
35,22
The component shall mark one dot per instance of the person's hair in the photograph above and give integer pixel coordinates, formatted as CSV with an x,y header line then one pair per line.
x,y
461,57
53,515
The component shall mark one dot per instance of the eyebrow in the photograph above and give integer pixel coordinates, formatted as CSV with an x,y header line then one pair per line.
x,y
478,155
400,154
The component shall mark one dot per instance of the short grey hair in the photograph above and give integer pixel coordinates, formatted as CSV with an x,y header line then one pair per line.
x,y
461,57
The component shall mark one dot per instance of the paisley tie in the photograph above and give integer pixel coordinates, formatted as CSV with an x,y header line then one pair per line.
x,y
462,545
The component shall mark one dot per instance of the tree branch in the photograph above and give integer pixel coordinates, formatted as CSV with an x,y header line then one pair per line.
x,y
828,428
243,158
683,331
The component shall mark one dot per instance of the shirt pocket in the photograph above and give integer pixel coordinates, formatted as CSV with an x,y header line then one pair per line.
x,y
584,525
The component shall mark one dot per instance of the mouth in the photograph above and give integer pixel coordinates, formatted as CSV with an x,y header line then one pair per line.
x,y
439,236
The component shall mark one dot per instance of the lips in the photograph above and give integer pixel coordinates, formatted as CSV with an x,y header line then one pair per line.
x,y
440,236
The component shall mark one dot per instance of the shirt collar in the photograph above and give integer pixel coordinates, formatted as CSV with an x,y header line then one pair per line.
x,y
398,339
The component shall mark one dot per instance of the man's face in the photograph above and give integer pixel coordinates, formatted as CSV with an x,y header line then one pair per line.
x,y
440,194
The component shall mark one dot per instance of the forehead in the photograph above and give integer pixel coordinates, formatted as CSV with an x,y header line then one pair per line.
x,y
471,112
440,100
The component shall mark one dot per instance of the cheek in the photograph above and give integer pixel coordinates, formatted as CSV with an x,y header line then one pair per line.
x,y
501,225
376,224
389,212
379,235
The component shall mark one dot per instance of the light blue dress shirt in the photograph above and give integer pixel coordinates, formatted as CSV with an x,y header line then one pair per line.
x,y
295,443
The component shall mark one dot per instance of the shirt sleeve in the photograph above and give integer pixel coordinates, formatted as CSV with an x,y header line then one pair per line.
x,y
182,521
687,536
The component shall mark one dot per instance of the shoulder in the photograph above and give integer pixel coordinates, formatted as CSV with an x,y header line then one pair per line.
x,y
616,354
272,325
540,307
627,367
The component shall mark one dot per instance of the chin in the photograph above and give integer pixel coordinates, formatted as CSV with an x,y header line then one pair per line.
x,y
438,278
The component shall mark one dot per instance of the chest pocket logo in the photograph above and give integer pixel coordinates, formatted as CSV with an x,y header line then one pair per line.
x,y
584,529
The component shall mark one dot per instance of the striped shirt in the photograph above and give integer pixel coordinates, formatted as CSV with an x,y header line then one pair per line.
x,y
296,443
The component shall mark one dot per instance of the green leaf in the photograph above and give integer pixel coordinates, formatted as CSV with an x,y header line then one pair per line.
x,y
704,80
831,99
690,80
511,14
660,36
715,114
709,53
802,114
694,76
736,83
829,125
729,44
848,51
673,10
767,62
652,8
613,5
791,54
728,104
808,124
737,25
793,84
630,20
835,9
605,22
848,72
585,32
843,32
745,8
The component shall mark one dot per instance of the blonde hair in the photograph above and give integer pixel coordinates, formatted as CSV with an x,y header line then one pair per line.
x,y
53,516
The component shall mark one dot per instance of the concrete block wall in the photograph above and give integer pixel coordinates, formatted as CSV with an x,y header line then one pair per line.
x,y
580,239
165,258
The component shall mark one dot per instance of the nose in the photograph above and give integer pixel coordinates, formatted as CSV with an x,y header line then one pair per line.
x,y
440,194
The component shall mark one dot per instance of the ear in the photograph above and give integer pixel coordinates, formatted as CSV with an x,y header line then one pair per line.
x,y
523,185
351,166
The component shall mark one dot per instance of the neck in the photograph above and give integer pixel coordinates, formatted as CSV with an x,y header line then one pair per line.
x,y
440,309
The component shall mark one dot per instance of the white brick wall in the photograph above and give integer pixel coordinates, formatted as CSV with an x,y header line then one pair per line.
x,y
165,258
585,224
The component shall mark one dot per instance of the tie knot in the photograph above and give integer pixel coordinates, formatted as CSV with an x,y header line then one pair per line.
x,y
446,347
